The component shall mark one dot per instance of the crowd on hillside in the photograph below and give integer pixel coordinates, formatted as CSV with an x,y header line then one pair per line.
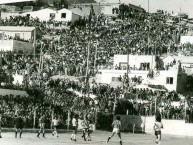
x,y
138,33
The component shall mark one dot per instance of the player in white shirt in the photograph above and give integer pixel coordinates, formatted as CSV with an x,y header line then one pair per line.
x,y
74,127
55,123
116,129
157,128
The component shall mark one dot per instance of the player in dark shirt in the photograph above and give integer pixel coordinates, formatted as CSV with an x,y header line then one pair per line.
x,y
41,125
18,125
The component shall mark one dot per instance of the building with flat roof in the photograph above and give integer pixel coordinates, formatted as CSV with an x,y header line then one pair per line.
x,y
48,14
19,33
142,68
185,61
106,8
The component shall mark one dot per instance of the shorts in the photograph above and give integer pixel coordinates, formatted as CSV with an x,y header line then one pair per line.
x,y
116,130
85,129
157,133
42,125
74,128
18,126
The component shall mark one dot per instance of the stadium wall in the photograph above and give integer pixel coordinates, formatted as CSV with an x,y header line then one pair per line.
x,y
145,124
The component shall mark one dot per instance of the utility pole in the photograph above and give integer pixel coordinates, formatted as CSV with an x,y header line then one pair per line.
x,y
96,51
128,58
34,43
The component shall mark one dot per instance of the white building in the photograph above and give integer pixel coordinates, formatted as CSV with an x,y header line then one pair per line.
x,y
186,62
7,15
43,15
83,12
50,14
67,16
19,32
106,8
186,39
172,79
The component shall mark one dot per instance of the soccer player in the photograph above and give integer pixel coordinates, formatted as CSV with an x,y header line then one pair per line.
x,y
55,122
42,125
74,127
85,125
157,128
18,125
116,129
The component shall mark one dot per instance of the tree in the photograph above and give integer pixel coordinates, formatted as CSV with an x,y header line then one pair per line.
x,y
189,86
41,3
64,4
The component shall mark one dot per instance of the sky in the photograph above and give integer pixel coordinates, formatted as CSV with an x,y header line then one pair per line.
x,y
12,1
186,6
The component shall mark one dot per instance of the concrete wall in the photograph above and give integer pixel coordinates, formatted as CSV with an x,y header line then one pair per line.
x,y
186,39
107,10
171,127
107,75
6,45
159,79
10,45
24,46
75,17
134,60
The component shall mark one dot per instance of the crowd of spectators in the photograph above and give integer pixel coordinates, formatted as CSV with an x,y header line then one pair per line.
x,y
100,37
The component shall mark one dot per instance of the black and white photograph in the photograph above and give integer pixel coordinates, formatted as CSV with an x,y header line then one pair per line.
x,y
96,72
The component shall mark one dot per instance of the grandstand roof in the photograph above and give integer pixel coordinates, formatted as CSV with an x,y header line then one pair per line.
x,y
4,92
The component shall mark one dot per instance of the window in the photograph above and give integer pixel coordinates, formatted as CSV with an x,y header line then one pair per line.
x,y
123,65
52,16
115,79
63,15
169,80
17,36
